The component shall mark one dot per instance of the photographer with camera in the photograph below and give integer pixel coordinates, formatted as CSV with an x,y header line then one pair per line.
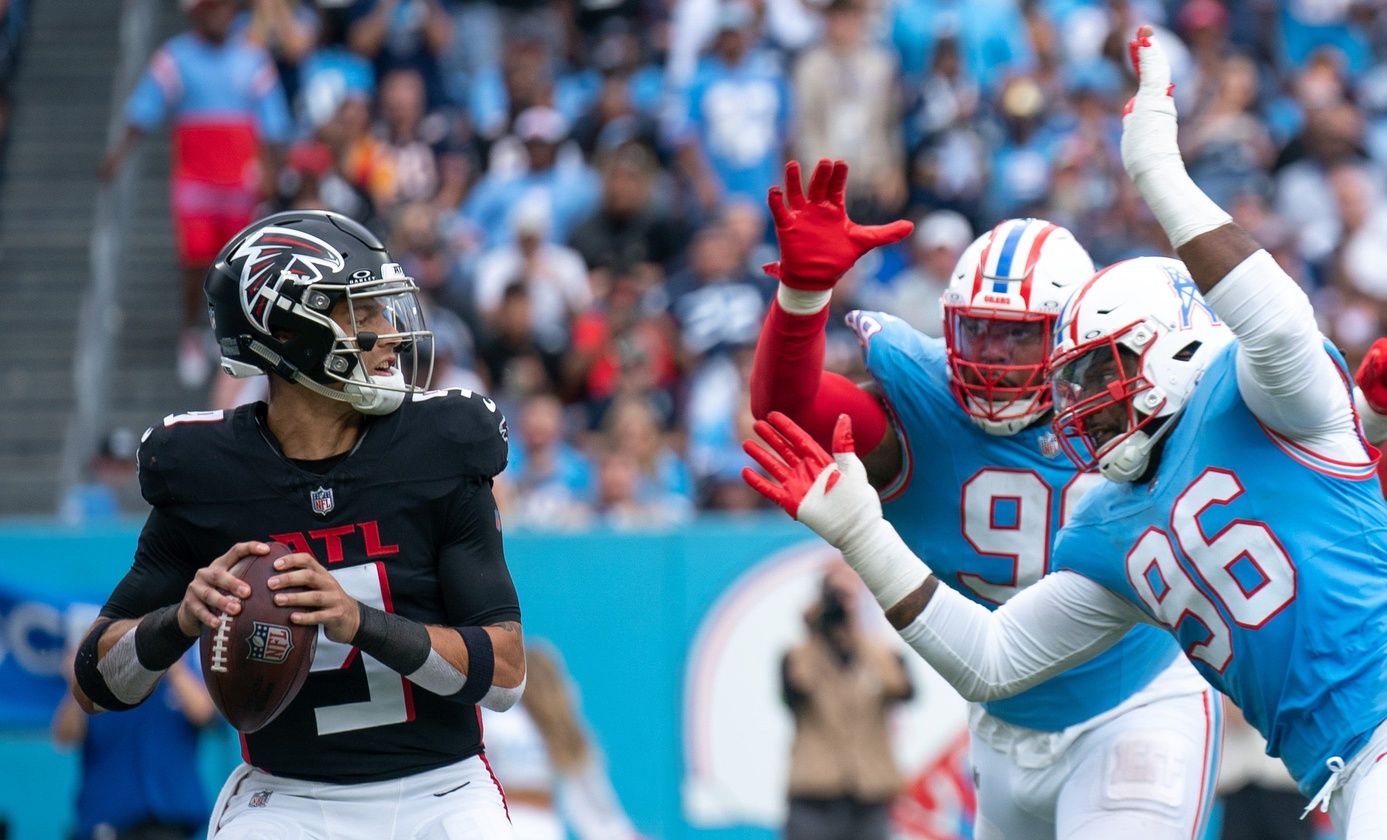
x,y
840,685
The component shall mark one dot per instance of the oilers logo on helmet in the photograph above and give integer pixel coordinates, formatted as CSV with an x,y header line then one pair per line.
x,y
1187,292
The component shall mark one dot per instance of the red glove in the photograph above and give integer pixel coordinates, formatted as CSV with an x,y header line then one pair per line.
x,y
1372,376
818,242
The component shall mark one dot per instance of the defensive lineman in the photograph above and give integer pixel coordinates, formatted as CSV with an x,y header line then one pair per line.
x,y
957,440
1243,515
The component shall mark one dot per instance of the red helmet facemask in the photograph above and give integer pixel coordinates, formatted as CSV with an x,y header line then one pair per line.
x,y
1094,387
997,362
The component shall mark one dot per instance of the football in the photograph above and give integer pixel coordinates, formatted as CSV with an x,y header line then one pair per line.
x,y
256,662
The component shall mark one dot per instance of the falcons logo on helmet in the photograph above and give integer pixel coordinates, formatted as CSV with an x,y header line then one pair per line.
x,y
275,255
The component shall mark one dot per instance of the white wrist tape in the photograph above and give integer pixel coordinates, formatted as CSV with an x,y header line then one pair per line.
x,y
884,562
128,680
1151,155
1374,424
801,301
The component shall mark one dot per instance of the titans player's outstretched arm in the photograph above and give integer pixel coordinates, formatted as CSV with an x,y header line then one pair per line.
x,y
1284,374
1062,620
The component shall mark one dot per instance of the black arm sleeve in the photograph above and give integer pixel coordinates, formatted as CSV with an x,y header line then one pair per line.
x,y
476,585
164,564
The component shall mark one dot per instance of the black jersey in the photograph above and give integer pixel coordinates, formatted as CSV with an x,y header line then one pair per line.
x,y
406,522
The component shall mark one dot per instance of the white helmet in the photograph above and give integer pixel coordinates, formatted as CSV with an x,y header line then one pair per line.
x,y
1130,347
999,314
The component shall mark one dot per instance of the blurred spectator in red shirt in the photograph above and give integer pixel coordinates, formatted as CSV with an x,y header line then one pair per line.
x,y
229,118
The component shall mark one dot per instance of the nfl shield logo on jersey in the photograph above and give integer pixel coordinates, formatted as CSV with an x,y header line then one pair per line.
x,y
269,643
1049,445
322,500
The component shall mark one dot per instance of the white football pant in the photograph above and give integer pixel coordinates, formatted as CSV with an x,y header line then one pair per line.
x,y
1147,771
461,801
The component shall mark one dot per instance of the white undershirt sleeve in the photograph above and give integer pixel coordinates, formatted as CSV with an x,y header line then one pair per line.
x,y
1061,621
1284,374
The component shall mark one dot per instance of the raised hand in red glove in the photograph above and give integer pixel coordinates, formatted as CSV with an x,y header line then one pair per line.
x,y
1372,376
818,242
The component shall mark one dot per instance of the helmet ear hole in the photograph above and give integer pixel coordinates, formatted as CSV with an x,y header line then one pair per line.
x,y
1187,352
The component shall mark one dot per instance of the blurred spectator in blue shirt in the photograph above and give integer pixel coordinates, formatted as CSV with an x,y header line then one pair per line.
x,y
549,478
566,184
138,778
108,480
1020,170
662,478
736,115
404,33
1308,26
991,35
715,304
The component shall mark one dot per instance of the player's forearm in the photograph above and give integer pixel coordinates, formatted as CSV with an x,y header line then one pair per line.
x,y
119,662
988,655
789,360
1151,156
788,376
464,664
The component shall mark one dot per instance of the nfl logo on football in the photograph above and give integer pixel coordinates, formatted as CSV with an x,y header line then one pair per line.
x,y
322,500
269,643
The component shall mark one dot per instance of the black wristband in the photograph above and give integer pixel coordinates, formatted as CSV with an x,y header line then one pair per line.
x,y
89,677
481,664
397,643
159,641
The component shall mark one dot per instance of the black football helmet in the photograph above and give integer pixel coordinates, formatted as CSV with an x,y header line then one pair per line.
x,y
274,287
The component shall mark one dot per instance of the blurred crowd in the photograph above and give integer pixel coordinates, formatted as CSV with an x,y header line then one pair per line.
x,y
579,185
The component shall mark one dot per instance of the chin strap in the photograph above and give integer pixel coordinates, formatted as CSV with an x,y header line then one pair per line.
x,y
1128,461
366,397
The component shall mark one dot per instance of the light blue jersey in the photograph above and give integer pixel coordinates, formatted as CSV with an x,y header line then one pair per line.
x,y
1268,561
982,510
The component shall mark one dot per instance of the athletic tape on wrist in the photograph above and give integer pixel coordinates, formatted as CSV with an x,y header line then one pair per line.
x,y
801,301
886,565
88,673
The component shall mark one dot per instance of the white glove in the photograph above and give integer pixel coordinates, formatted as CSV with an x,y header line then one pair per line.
x,y
833,497
1151,152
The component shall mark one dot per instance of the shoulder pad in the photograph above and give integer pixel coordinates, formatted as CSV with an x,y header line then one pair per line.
x,y
880,332
471,429
172,446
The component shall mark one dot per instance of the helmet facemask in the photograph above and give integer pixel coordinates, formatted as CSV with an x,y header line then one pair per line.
x,y
1108,414
373,314
997,365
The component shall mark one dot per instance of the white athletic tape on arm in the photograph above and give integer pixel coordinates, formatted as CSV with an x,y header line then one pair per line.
x,y
1151,156
1374,424
801,301
128,680
438,675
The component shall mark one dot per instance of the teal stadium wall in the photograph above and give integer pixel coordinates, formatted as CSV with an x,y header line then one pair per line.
x,y
673,640
624,610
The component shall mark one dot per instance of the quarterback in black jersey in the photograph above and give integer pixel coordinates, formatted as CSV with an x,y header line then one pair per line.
x,y
383,490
